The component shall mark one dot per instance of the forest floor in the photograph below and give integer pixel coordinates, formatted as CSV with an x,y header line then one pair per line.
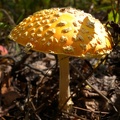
x,y
29,87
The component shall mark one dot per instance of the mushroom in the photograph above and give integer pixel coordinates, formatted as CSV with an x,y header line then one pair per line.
x,y
65,32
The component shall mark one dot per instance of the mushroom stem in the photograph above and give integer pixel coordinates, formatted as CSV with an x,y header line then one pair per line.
x,y
64,87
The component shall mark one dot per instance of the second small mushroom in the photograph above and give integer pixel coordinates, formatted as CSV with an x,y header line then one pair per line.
x,y
65,32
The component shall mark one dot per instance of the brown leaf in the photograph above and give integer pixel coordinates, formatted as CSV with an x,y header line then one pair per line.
x,y
9,97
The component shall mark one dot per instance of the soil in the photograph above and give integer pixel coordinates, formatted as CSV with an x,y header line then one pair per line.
x,y
29,86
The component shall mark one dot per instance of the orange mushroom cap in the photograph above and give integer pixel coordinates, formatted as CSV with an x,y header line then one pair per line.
x,y
63,31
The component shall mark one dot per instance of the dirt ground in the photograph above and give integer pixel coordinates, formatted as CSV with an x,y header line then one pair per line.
x,y
29,86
